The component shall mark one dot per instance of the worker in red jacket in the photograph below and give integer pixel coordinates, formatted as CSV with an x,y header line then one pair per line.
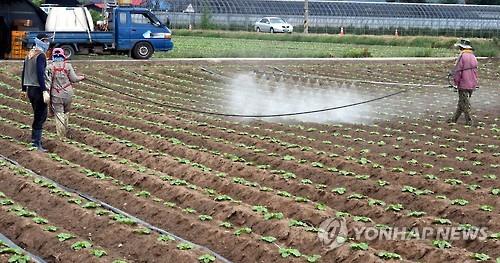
x,y
465,79
59,77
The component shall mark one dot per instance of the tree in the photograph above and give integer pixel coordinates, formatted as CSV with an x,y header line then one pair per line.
x,y
206,19
38,2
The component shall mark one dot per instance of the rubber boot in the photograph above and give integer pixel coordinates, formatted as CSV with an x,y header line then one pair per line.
x,y
38,141
33,138
455,117
468,121
60,124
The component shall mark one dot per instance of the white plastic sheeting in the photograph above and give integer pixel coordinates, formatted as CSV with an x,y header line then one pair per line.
x,y
61,19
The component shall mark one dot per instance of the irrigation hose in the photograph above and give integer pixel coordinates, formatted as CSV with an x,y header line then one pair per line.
x,y
11,244
245,115
116,210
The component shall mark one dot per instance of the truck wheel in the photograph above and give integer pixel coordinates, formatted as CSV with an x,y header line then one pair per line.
x,y
258,29
271,30
142,50
69,51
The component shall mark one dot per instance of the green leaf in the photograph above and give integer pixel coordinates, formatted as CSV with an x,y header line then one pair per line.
x,y
441,244
363,219
286,252
395,207
487,208
144,194
317,164
90,205
81,245
226,225
460,202
189,210
142,231
243,230
206,258
50,229
184,246
98,253
221,198
442,221
123,219
205,218
127,188
259,209
19,259
480,257
40,221
165,238
388,255
268,239
312,258
339,190
495,236
321,207
64,236
297,223
9,250
359,246
270,216
416,214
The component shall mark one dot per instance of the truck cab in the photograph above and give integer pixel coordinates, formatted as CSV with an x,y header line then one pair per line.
x,y
129,30
138,30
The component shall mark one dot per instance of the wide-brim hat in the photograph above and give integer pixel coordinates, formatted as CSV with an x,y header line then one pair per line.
x,y
464,43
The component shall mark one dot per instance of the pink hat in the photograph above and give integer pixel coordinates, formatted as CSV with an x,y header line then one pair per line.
x,y
58,52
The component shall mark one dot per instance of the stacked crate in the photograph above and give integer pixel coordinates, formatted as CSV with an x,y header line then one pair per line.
x,y
17,50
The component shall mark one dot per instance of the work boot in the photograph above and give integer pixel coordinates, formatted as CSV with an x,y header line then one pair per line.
x,y
33,137
38,141
469,122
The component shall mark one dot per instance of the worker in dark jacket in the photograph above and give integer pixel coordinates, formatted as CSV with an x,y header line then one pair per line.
x,y
33,84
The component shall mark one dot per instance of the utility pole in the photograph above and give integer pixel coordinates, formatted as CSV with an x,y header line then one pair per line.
x,y
306,16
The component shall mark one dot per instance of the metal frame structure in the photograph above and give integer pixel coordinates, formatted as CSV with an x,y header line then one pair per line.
x,y
362,17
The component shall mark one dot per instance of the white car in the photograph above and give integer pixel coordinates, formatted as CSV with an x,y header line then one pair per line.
x,y
273,25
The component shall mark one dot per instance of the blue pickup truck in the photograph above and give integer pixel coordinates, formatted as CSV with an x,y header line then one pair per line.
x,y
133,31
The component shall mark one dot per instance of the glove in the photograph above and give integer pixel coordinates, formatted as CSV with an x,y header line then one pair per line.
x,y
23,95
46,97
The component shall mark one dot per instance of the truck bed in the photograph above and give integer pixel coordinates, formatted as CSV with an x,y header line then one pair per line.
x,y
75,37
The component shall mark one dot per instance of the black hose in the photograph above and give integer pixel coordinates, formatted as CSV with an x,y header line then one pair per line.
x,y
245,115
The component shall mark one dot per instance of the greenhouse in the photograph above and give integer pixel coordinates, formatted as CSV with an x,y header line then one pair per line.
x,y
353,17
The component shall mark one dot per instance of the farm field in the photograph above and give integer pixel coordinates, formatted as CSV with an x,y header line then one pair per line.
x,y
209,47
140,182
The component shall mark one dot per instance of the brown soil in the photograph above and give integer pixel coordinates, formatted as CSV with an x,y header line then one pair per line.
x,y
414,123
